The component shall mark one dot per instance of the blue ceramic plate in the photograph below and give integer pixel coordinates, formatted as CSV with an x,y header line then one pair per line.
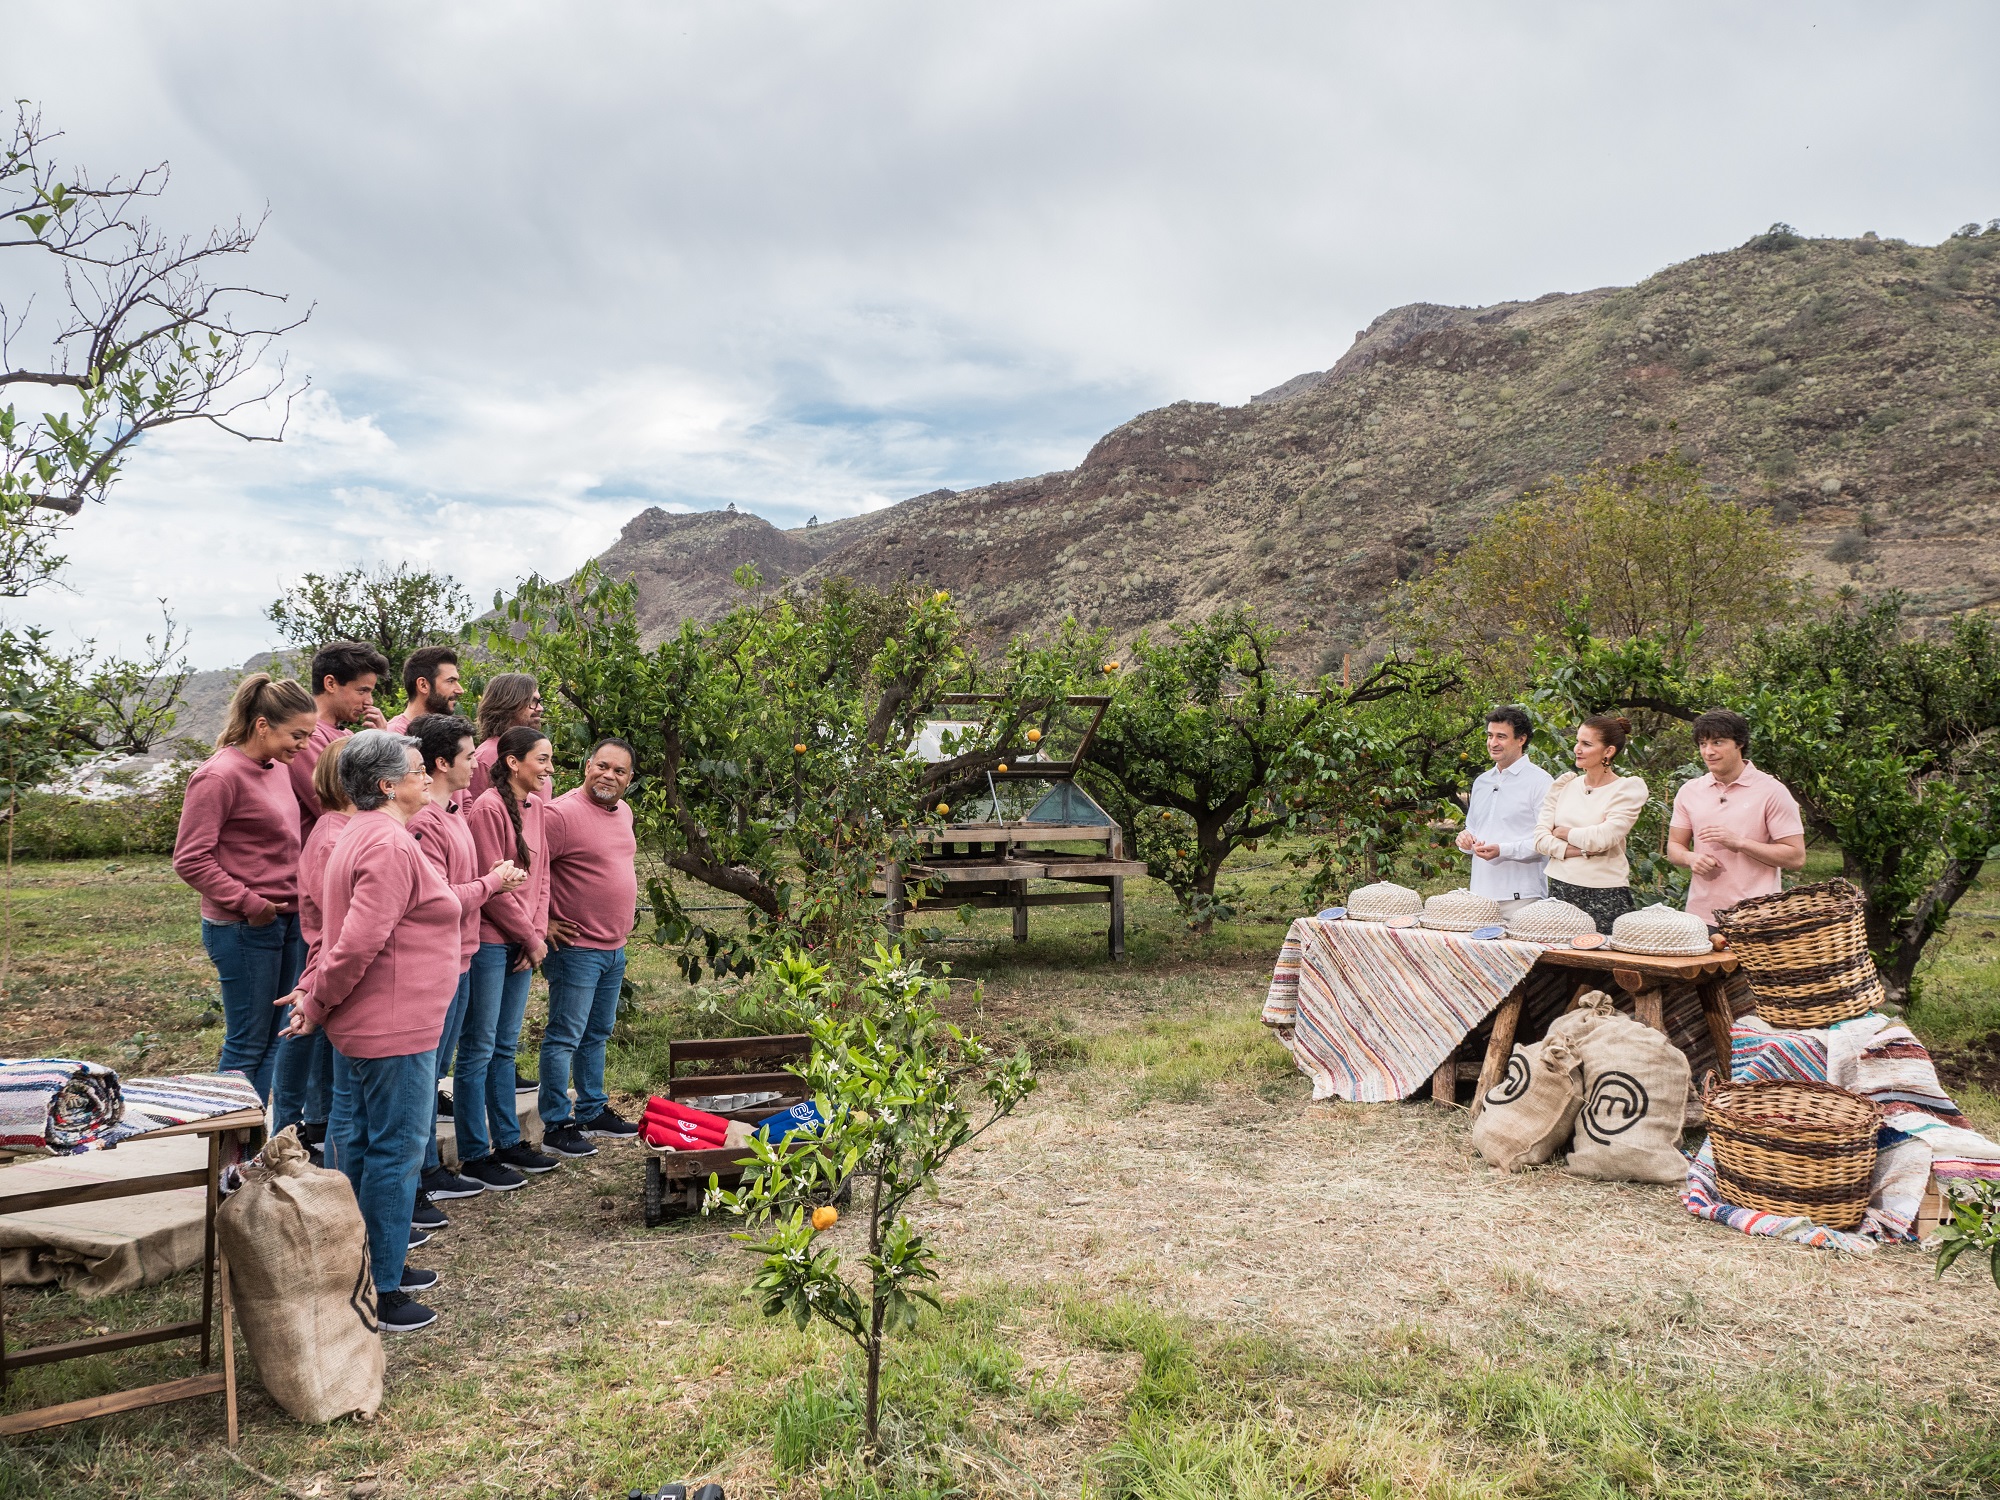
x,y
1488,932
1333,914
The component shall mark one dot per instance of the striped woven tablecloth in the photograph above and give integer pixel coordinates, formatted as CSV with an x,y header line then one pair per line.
x,y
1373,1010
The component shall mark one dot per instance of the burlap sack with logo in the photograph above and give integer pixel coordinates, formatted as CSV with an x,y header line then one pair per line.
x,y
1635,1089
298,1269
1528,1114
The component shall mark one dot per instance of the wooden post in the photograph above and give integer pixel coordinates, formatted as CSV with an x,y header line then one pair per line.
x,y
1714,992
1018,889
892,876
208,1245
1499,1047
1649,1008
1118,916
1444,1082
228,1349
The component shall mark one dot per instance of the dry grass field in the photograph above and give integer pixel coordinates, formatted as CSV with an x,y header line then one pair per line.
x,y
1170,1275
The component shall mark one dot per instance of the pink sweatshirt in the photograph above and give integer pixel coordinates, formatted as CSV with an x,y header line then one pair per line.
x,y
522,916
484,754
388,961
593,883
323,734
326,831
238,843
446,839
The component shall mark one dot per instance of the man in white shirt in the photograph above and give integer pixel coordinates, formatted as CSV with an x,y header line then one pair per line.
x,y
1500,818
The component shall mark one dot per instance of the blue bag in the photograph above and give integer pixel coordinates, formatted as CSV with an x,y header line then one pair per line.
x,y
804,1116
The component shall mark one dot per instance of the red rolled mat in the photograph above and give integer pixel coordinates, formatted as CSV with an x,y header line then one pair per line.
x,y
670,1110
686,1127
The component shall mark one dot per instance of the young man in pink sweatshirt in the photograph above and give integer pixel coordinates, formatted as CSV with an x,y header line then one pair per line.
x,y
380,986
445,837
593,900
344,675
431,685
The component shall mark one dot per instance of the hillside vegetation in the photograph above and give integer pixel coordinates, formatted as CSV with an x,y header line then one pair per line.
x,y
1851,384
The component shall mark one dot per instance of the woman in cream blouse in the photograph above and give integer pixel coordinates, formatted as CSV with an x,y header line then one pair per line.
x,y
1584,821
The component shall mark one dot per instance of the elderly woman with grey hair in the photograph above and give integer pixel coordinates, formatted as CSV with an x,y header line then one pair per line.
x,y
380,982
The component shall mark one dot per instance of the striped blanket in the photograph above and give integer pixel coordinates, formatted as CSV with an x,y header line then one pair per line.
x,y
57,1103
1369,1011
156,1103
1923,1133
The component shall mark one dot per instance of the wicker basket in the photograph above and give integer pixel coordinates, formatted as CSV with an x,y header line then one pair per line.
x,y
1805,953
1381,901
1460,911
1659,929
1793,1148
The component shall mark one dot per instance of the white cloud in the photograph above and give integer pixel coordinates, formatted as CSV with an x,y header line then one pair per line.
x,y
571,261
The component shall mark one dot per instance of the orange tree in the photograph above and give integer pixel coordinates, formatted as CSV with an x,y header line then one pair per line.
x,y
773,744
1208,747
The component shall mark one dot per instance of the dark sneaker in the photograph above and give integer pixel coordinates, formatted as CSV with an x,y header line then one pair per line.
x,y
419,1237
427,1215
566,1140
399,1312
316,1155
444,1106
417,1281
611,1126
523,1084
525,1158
491,1174
442,1182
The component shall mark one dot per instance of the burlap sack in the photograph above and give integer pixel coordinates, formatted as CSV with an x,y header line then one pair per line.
x,y
1588,1011
298,1268
1529,1113
1635,1089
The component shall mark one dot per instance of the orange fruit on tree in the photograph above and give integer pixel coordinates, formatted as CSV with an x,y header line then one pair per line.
x,y
943,808
825,1217
1034,736
798,749
1003,765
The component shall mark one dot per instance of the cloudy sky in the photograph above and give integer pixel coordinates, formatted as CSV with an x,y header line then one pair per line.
x,y
566,261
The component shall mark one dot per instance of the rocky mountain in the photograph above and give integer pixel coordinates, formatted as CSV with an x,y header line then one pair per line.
x,y
1851,384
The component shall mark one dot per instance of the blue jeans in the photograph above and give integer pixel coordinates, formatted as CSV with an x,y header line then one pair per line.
x,y
381,1108
583,1007
302,1088
454,1019
482,1087
256,965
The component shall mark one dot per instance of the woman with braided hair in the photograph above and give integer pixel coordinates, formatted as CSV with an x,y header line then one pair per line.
x,y
507,824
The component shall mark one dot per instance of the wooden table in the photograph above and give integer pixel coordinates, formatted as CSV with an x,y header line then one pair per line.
x,y
1639,975
989,865
240,1127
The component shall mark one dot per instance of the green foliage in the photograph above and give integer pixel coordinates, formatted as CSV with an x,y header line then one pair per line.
x,y
890,1078
1208,747
50,825
772,744
1646,550
1974,1225
395,610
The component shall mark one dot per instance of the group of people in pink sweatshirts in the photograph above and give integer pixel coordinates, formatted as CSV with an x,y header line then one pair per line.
x,y
376,902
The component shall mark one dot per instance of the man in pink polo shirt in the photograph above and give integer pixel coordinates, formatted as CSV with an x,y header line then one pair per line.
x,y
593,899
1735,829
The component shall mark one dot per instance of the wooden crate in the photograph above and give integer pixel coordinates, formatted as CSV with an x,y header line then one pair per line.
x,y
676,1180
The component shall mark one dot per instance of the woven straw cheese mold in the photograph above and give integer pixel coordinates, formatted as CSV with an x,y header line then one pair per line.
x,y
1662,930
1381,901
1460,911
1550,921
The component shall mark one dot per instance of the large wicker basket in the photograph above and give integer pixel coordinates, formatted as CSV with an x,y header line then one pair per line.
x,y
1793,1148
1805,953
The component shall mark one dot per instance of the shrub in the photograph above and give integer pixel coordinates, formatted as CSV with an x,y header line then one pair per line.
x,y
1849,547
50,825
1768,382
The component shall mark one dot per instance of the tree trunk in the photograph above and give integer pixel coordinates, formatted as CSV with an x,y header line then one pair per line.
x,y
872,1406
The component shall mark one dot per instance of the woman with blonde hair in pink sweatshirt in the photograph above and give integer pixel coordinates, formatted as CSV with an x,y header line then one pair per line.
x,y
380,985
238,846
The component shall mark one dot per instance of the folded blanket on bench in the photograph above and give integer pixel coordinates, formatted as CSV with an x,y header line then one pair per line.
x,y
56,1103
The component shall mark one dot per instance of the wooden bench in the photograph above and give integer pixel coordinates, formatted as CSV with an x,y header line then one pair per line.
x,y
678,1179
